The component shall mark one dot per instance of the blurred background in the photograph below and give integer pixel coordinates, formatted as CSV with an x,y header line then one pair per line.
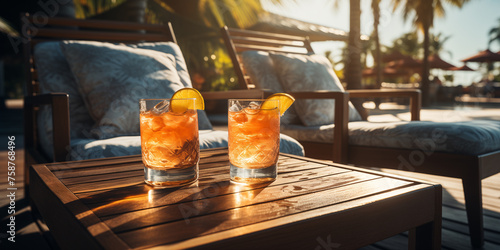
x,y
402,45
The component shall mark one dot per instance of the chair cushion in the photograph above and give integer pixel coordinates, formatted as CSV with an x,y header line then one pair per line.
x,y
111,83
310,73
259,68
467,137
54,75
113,77
83,149
172,49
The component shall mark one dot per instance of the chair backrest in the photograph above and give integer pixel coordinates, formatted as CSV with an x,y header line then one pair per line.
x,y
95,30
238,40
57,29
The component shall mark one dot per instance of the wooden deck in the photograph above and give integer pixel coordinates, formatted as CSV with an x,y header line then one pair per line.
x,y
454,234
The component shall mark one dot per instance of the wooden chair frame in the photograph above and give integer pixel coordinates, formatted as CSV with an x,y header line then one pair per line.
x,y
60,29
470,168
56,29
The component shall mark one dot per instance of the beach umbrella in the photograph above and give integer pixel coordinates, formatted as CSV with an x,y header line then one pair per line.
x,y
393,56
407,63
484,56
435,62
462,68
385,71
274,23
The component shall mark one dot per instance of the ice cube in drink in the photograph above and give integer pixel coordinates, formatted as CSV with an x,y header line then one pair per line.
x,y
170,146
253,143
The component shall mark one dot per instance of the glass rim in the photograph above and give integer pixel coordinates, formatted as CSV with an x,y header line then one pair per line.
x,y
163,99
249,100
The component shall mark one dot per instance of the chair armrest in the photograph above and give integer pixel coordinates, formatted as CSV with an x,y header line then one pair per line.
x,y
60,121
341,119
413,94
240,93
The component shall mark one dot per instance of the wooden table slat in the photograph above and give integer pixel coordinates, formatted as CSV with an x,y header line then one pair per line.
x,y
203,225
54,200
109,195
208,155
89,172
322,233
205,201
113,183
98,170
64,166
99,178
206,189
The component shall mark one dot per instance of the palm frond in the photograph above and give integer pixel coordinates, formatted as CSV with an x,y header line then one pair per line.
x,y
439,9
88,8
494,33
234,13
6,28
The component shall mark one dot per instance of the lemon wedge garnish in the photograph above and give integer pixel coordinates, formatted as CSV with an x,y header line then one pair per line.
x,y
179,104
285,101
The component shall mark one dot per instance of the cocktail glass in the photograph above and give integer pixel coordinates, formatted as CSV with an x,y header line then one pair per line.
x,y
169,143
254,141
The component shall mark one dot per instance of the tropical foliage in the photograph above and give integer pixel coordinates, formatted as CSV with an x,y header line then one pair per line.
x,y
494,34
6,28
200,20
407,44
197,29
199,36
437,44
89,8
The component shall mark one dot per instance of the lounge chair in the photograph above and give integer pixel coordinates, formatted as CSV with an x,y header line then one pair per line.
x,y
84,82
282,63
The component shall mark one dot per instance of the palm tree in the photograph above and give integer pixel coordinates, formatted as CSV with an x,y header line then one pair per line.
x,y
407,44
437,44
424,12
494,34
353,65
367,48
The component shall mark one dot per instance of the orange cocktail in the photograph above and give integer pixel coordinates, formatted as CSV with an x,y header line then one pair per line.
x,y
169,143
254,141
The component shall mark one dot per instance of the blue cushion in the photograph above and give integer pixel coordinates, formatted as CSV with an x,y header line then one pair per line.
x,y
112,78
467,137
83,149
259,67
310,73
55,76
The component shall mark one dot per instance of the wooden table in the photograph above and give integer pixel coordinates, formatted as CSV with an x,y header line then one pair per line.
x,y
104,203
